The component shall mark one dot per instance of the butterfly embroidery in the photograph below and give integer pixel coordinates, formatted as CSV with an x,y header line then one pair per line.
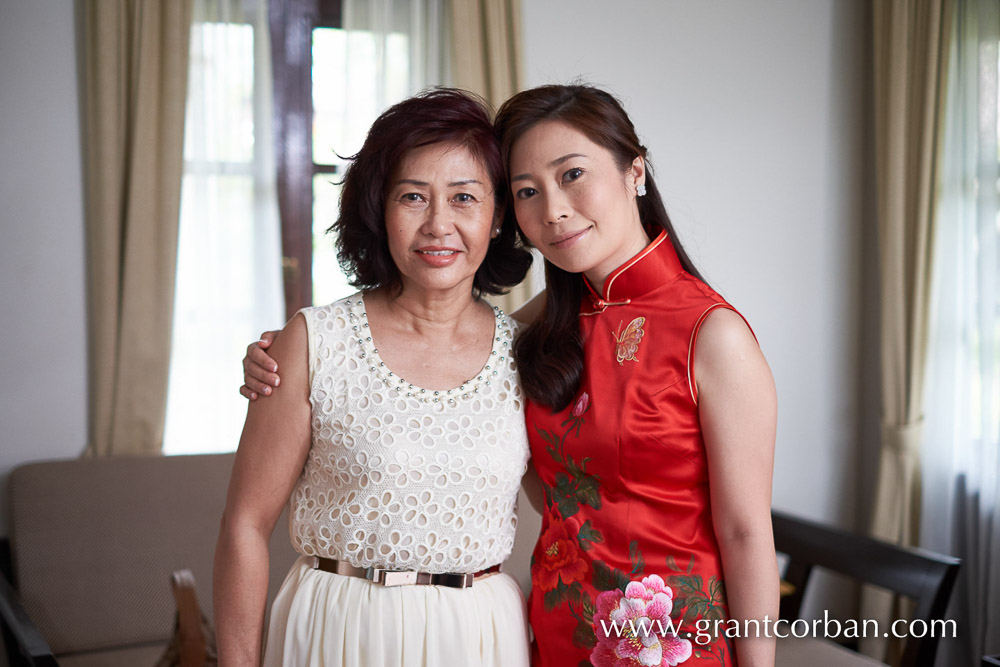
x,y
628,340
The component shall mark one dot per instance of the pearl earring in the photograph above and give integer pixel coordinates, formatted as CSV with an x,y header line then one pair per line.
x,y
640,190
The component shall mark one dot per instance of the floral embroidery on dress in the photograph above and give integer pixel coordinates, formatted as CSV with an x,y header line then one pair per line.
x,y
576,486
634,627
560,569
694,600
560,560
628,341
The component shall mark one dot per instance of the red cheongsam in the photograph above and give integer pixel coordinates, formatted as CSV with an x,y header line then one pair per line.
x,y
627,533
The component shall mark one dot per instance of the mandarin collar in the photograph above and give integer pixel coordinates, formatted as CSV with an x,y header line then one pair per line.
x,y
653,267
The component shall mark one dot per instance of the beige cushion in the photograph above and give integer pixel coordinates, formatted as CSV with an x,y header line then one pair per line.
x,y
817,652
140,656
95,540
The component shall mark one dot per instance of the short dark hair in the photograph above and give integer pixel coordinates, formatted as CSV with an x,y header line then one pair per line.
x,y
438,115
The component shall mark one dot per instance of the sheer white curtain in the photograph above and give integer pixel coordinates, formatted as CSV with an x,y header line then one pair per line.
x,y
961,470
229,254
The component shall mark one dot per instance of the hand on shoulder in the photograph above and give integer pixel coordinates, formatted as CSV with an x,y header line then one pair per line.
x,y
289,350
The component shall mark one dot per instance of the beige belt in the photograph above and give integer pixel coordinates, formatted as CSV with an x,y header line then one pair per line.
x,y
385,577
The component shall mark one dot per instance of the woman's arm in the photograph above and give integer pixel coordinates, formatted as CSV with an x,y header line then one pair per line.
x,y
273,449
531,484
738,411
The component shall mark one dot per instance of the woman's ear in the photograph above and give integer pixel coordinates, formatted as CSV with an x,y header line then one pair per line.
x,y
637,173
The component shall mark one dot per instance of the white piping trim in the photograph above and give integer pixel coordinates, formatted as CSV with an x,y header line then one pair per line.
x,y
697,327
694,333
621,269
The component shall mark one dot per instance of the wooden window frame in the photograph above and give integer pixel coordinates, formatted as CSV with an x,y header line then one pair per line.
x,y
291,24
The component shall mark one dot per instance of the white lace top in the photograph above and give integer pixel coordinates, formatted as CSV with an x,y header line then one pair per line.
x,y
402,477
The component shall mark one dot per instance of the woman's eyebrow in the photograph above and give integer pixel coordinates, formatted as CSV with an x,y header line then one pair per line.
x,y
569,156
453,184
555,163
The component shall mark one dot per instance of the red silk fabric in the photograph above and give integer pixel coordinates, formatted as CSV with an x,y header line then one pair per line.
x,y
626,479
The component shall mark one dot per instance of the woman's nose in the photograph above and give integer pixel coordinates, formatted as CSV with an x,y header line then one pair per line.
x,y
440,220
557,206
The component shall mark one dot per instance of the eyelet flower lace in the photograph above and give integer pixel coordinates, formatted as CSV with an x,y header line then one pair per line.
x,y
400,477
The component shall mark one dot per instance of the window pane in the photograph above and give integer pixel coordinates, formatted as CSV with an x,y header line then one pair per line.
x,y
221,74
348,90
214,266
329,282
329,103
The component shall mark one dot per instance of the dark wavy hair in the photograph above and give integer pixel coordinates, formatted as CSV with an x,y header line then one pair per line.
x,y
438,115
549,352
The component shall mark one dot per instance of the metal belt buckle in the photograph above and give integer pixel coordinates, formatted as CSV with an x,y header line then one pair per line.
x,y
454,580
390,577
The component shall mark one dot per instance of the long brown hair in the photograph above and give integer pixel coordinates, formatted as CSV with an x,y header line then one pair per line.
x,y
549,352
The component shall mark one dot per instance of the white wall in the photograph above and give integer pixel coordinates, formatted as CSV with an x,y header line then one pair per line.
x,y
43,410
753,113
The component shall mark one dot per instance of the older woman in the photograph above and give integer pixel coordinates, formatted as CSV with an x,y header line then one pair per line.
x,y
397,433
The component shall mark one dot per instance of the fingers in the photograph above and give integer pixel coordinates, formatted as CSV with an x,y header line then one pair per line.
x,y
267,338
257,356
259,369
257,379
256,376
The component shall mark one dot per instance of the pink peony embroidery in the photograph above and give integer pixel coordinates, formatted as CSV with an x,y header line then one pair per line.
x,y
581,405
634,627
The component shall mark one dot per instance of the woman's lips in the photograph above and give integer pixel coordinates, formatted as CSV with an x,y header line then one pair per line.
x,y
568,239
438,257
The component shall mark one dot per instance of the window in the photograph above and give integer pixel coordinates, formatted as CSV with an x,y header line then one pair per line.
x,y
228,285
317,73
338,64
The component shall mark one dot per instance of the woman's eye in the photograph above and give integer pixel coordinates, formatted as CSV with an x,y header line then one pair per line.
x,y
464,198
573,174
412,197
526,193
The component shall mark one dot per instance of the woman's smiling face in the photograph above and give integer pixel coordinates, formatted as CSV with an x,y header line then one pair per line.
x,y
575,204
439,216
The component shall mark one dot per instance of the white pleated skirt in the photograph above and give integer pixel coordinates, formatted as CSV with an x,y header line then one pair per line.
x,y
329,620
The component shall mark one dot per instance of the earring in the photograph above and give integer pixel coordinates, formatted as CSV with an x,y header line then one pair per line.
x,y
640,190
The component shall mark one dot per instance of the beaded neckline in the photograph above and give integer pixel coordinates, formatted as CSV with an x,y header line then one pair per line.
x,y
502,338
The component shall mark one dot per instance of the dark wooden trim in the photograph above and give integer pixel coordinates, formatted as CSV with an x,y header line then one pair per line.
x,y
326,169
924,576
24,643
291,24
330,14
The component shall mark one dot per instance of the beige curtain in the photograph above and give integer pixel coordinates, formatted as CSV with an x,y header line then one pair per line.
x,y
486,59
910,52
135,82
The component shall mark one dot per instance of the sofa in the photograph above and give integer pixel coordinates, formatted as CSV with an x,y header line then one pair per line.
x,y
92,545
